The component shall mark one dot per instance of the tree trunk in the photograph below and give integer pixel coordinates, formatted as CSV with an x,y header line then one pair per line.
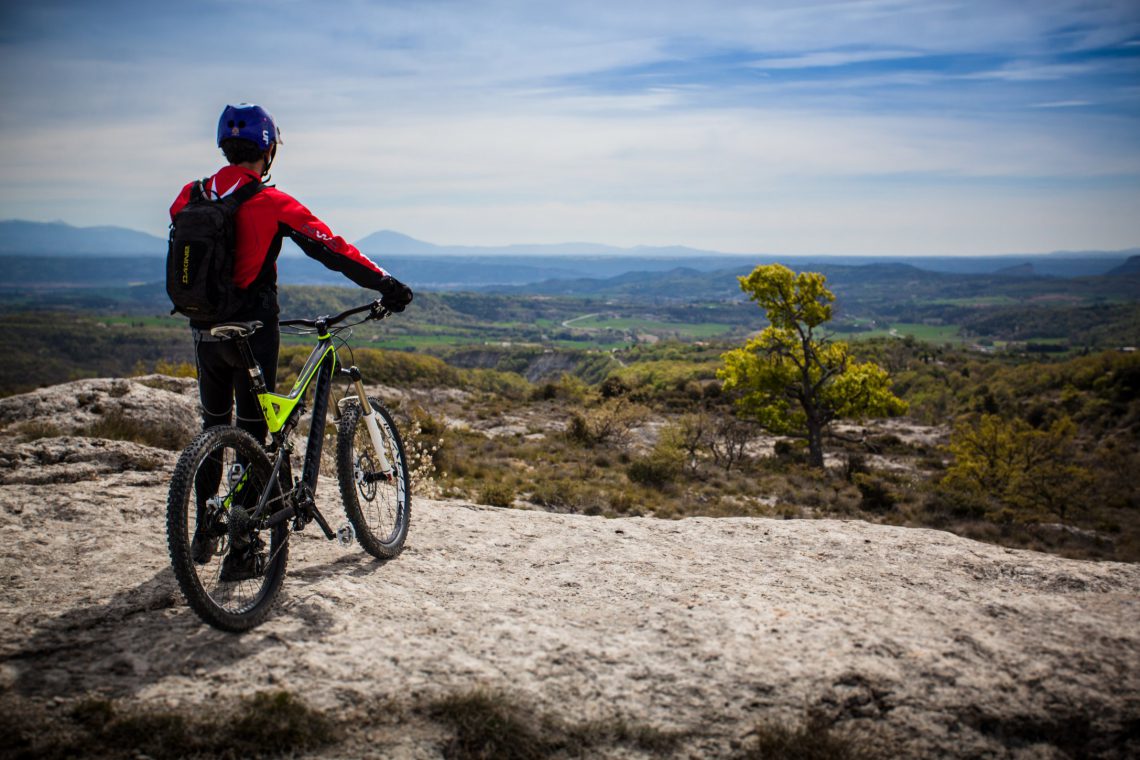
x,y
815,444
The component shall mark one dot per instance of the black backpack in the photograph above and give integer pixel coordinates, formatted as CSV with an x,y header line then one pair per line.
x,y
200,256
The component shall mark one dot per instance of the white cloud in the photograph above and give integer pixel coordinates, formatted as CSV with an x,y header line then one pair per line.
x,y
1064,104
1024,71
833,58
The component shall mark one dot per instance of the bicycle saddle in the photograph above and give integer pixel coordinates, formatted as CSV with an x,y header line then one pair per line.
x,y
228,330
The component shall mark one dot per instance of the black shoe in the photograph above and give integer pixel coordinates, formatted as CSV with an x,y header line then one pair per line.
x,y
203,546
242,564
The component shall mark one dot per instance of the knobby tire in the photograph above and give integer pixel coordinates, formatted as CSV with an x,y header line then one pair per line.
x,y
231,606
381,510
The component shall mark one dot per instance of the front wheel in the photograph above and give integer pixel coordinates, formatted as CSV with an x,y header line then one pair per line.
x,y
378,503
228,567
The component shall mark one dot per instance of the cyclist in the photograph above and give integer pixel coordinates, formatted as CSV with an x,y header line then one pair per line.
x,y
249,137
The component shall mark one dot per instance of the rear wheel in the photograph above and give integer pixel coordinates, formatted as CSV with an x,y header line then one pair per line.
x,y
377,503
229,569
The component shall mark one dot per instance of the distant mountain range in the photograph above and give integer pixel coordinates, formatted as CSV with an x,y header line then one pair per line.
x,y
395,243
19,238
27,245
875,283
1129,267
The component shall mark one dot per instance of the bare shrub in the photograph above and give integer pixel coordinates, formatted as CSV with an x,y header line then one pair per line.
x,y
117,425
729,439
33,430
611,423
813,739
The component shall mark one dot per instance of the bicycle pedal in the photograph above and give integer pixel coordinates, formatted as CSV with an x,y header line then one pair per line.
x,y
346,535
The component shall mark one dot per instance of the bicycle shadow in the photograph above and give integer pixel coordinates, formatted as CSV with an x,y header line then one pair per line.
x,y
136,638
146,634
356,565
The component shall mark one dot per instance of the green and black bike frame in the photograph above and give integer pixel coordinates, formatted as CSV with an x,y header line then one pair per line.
x,y
282,413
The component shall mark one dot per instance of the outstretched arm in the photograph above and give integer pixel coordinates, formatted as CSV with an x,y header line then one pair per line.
x,y
317,241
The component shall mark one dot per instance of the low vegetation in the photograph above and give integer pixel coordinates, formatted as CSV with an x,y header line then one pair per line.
x,y
813,739
117,425
669,444
1032,449
266,724
469,725
487,724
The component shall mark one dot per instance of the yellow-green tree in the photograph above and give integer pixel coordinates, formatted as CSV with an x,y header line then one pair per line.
x,y
792,379
1013,471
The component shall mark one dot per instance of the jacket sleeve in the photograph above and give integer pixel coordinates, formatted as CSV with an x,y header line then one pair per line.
x,y
317,241
182,199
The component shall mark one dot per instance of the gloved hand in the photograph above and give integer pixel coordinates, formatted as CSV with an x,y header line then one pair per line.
x,y
394,295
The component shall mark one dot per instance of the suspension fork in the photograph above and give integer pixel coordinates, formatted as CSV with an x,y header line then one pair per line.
x,y
370,422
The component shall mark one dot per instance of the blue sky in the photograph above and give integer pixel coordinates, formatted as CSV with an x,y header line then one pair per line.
x,y
879,127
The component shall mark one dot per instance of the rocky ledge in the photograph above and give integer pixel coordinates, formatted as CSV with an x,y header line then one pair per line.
x,y
916,642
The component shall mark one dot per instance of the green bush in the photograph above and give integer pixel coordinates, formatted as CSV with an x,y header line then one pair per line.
x,y
786,449
497,494
876,492
395,368
505,384
613,386
653,472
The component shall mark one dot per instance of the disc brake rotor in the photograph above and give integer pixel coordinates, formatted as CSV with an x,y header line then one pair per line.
x,y
365,466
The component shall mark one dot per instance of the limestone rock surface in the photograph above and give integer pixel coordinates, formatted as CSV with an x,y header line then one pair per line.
x,y
928,644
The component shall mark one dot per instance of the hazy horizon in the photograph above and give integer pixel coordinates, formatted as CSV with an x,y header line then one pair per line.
x,y
581,248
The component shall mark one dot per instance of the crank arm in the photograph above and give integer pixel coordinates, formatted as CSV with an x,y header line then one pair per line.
x,y
291,512
315,513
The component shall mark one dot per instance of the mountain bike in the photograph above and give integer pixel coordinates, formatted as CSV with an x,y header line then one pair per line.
x,y
233,503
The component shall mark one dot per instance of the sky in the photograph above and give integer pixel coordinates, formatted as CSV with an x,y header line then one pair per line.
x,y
884,127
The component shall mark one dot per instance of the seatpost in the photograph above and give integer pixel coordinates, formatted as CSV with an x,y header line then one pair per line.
x,y
256,378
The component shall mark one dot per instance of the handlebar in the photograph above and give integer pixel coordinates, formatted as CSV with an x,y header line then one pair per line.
x,y
375,307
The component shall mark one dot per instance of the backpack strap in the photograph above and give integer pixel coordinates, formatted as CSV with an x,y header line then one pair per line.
x,y
198,189
244,193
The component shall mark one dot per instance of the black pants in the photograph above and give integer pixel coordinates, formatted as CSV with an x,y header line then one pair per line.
x,y
223,377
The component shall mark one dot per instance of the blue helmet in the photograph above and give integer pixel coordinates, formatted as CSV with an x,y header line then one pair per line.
x,y
247,121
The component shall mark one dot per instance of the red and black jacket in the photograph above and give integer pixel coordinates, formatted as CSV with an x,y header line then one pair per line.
x,y
266,218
